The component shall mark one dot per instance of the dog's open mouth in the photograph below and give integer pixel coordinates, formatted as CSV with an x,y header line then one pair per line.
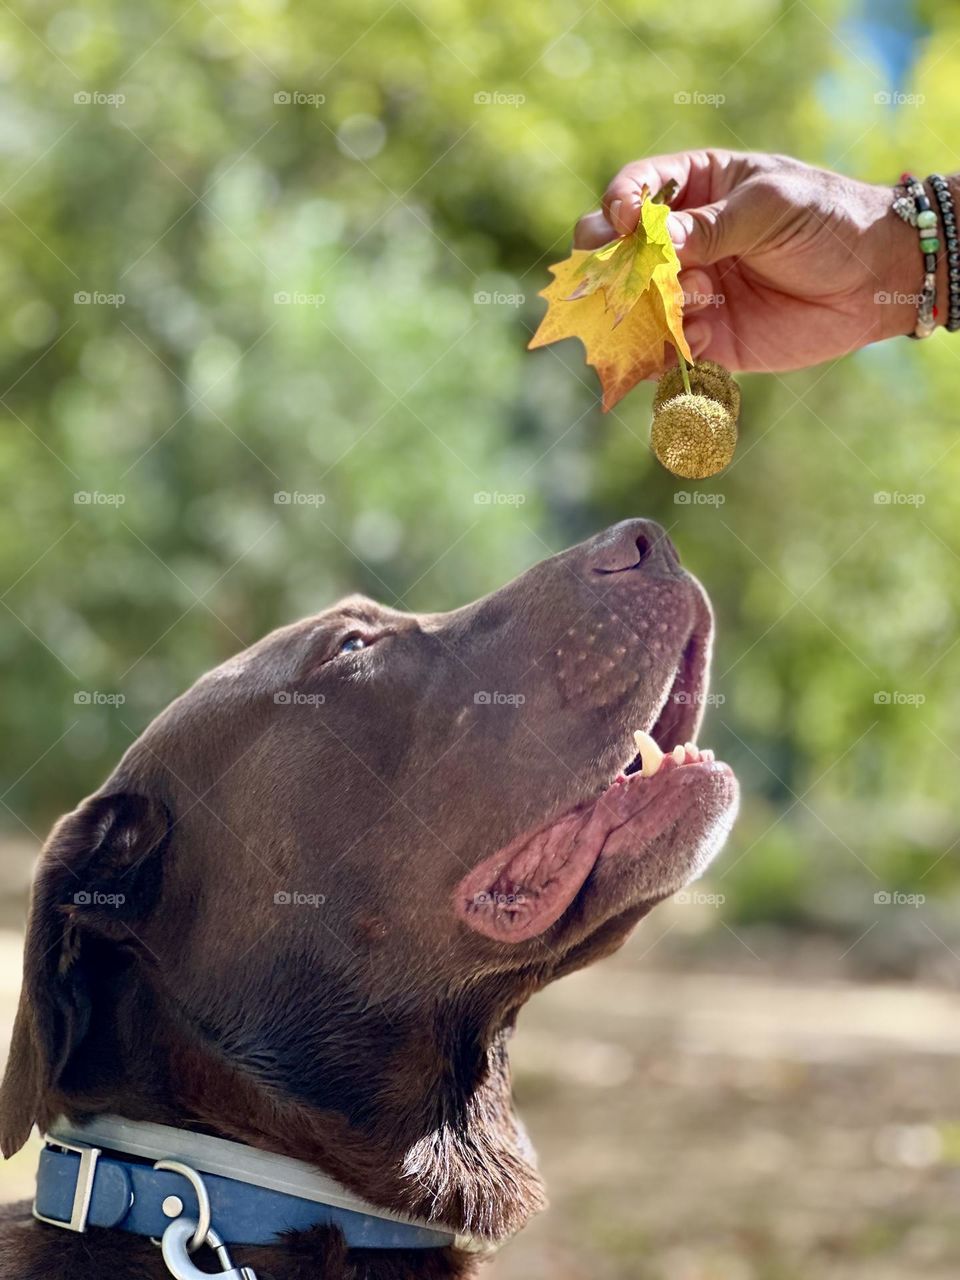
x,y
651,829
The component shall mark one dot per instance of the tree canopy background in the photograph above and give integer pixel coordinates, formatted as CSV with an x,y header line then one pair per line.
x,y
312,238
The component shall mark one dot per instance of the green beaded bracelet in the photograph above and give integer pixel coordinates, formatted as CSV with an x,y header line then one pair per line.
x,y
912,205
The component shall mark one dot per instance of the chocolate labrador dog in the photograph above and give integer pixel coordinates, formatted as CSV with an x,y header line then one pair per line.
x,y
294,928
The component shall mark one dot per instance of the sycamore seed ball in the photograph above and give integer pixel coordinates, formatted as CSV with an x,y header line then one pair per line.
x,y
695,433
694,436
707,378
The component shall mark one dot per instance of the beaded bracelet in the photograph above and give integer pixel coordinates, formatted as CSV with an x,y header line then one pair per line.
x,y
948,218
914,207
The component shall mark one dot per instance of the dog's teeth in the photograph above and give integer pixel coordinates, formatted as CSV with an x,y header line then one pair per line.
x,y
707,755
693,752
679,753
651,757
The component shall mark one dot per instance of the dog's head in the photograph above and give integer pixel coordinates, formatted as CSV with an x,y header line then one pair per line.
x,y
335,868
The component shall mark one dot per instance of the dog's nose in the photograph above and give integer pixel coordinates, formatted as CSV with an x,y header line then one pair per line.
x,y
633,544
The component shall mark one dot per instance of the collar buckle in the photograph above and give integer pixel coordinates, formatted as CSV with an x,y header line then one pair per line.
x,y
83,1192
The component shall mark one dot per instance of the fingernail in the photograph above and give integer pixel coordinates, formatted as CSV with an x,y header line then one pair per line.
x,y
678,232
615,214
695,285
697,334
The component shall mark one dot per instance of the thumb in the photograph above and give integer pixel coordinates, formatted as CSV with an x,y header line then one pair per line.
x,y
705,235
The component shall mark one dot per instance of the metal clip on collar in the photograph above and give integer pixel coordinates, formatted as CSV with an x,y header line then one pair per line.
x,y
175,1247
184,1236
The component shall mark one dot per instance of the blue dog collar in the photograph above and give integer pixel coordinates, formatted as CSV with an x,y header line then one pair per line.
x,y
103,1174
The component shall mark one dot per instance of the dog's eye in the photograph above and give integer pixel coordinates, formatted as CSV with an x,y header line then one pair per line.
x,y
351,643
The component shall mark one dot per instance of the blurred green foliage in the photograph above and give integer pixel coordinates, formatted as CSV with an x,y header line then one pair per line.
x,y
222,181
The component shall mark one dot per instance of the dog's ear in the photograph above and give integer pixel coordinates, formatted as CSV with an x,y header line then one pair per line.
x,y
99,874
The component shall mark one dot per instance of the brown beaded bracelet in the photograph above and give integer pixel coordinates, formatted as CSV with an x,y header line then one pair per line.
x,y
948,219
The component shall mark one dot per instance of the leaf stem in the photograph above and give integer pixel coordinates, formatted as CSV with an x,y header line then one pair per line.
x,y
684,375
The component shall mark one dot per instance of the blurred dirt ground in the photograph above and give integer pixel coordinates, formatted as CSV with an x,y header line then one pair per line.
x,y
714,1107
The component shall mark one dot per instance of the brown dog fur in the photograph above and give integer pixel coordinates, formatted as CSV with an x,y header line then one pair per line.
x,y
165,978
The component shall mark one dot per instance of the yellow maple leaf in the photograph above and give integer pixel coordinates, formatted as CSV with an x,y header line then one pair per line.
x,y
623,302
624,268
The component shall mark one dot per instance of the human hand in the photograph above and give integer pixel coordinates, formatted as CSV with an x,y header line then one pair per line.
x,y
783,265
